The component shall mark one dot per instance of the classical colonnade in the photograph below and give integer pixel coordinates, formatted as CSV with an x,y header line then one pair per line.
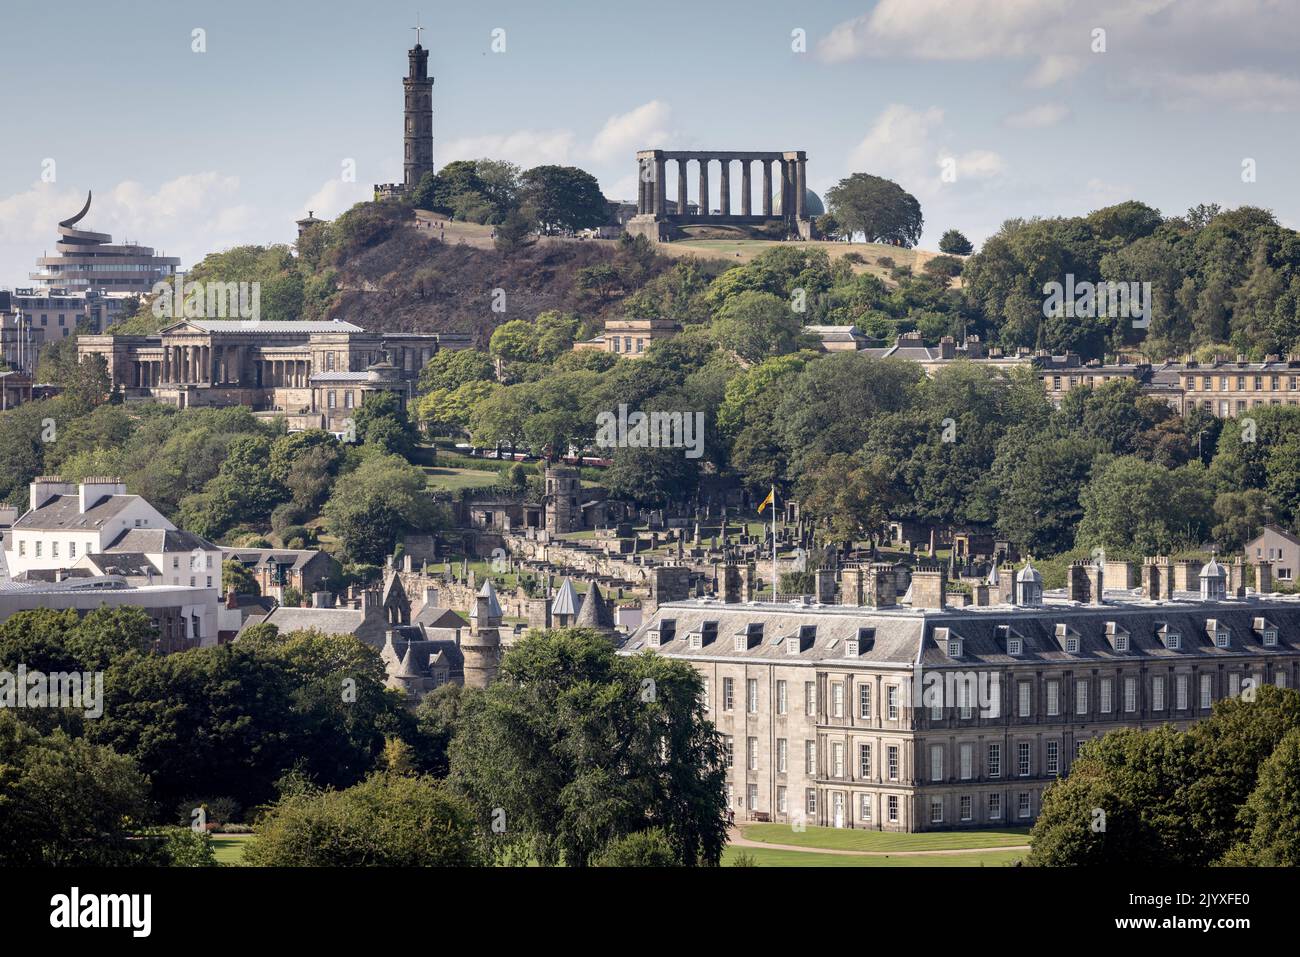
x,y
219,365
791,172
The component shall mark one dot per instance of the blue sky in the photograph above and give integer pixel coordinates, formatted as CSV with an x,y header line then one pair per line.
x,y
192,152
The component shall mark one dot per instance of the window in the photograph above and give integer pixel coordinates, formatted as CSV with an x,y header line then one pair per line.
x,y
782,755
707,705
751,797
1053,697
54,549
892,804
728,694
1023,762
1053,757
936,762
1014,646
995,760
837,699
751,695
1130,695
751,753
1234,685
22,547
964,700
954,648
782,699
1024,690
1081,696
1180,692
1279,679
837,759
1107,685
995,807
1158,693
893,762
729,744
330,400
891,699
810,698
38,548
965,807
866,807
1024,808
967,759
1270,636
811,801
1121,644
1221,639
1206,691
864,701
810,757
1072,646
780,799
1173,641
72,553
347,399
936,708
936,810
864,761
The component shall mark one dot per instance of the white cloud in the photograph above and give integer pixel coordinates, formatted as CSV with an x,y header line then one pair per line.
x,y
980,164
644,127
334,197
523,147
904,145
1148,43
1037,117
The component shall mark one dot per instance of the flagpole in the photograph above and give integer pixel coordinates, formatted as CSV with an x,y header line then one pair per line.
x,y
774,543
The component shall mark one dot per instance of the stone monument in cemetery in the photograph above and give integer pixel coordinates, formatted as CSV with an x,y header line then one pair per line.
x,y
787,207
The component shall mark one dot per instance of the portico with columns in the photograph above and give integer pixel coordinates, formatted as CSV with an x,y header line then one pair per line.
x,y
655,220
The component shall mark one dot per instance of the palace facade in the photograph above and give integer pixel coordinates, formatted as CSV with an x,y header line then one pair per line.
x,y
871,710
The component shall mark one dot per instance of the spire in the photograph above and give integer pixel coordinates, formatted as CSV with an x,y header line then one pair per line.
x,y
566,600
407,668
594,613
493,606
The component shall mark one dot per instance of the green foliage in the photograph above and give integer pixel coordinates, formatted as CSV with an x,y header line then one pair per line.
x,y
371,506
387,820
877,208
562,199
578,747
955,243
648,848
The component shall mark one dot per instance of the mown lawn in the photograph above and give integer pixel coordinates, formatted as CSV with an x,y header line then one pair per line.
x,y
451,479
847,839
766,857
229,848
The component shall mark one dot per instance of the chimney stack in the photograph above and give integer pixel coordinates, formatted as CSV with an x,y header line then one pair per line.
x,y
824,589
1263,577
930,587
731,584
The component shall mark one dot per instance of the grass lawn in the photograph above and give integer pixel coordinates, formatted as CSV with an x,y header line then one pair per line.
x,y
773,858
229,848
450,479
849,839
743,250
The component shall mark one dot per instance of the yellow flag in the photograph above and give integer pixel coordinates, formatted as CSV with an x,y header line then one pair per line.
x,y
767,501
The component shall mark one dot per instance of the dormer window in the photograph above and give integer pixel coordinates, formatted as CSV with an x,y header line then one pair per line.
x,y
1121,644
954,647
1174,641
1267,632
1270,637
667,630
1221,639
1072,645
1068,637
652,639
695,641
1015,646
709,631
866,638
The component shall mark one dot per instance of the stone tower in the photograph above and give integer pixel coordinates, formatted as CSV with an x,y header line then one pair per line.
x,y
482,649
563,510
418,86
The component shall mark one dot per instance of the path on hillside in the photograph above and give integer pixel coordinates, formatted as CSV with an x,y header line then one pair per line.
x,y
735,836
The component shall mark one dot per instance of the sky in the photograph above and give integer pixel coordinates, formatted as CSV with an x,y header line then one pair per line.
x,y
983,109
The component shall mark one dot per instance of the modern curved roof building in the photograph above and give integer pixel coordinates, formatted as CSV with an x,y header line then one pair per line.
x,y
88,260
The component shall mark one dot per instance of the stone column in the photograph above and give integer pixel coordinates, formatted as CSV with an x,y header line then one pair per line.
x,y
745,188
724,184
681,187
704,187
767,187
801,189
659,185
640,186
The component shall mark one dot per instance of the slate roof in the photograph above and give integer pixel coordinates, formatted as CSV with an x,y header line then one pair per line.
x,y
263,326
433,617
494,606
330,621
902,637
566,599
594,613
155,540
64,512
296,557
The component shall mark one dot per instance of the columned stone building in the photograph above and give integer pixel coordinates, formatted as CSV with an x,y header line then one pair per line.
x,y
872,710
314,372
655,221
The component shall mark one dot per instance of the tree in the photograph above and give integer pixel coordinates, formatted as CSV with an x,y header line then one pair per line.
x,y
1039,479
238,578
383,422
453,368
878,208
563,199
649,848
65,801
513,232
756,325
375,503
388,820
845,496
955,243
577,746
1132,505
1272,813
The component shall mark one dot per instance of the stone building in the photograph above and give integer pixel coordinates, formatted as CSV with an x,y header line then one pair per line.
x,y
308,570
1278,546
316,373
630,337
417,123
910,715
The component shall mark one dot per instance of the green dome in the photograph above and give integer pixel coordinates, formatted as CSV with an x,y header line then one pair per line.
x,y
812,203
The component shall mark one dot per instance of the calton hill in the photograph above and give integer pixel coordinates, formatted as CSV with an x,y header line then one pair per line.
x,y
295,738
